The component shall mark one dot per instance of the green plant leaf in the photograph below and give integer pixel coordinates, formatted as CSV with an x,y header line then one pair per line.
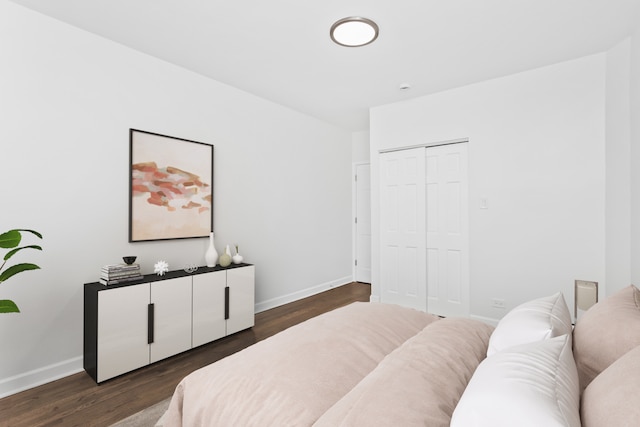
x,y
15,269
13,251
8,306
34,232
10,239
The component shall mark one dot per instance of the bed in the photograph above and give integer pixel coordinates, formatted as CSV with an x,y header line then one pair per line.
x,y
370,364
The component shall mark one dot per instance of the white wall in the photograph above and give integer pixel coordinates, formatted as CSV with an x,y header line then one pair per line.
x,y
360,147
67,101
618,169
536,148
635,155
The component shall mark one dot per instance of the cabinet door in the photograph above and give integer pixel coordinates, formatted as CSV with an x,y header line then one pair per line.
x,y
208,307
122,330
241,283
172,317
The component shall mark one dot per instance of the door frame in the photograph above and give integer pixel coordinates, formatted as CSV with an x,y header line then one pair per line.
x,y
425,145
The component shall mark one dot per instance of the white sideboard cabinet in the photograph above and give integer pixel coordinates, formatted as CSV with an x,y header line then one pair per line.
x,y
130,326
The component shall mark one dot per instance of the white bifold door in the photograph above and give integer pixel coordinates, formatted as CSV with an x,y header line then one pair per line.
x,y
403,237
424,259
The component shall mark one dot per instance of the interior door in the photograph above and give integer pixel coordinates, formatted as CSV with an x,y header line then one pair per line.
x,y
363,223
447,226
402,228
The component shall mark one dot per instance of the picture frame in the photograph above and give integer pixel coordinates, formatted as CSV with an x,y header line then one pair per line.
x,y
170,187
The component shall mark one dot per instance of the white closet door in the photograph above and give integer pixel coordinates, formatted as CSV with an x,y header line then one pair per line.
x,y
402,233
447,230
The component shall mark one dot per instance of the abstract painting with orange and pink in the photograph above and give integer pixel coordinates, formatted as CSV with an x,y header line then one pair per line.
x,y
171,188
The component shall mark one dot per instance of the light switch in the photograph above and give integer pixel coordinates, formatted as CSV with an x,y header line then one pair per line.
x,y
484,203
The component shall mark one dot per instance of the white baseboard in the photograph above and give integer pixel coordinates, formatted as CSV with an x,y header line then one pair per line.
x,y
374,298
40,376
304,293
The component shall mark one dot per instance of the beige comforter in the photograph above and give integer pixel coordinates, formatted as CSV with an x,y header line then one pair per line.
x,y
364,364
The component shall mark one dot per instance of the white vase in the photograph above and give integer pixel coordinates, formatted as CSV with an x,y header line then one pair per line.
x,y
211,256
237,259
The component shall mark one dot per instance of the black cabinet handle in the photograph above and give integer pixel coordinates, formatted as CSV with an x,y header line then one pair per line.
x,y
226,303
150,322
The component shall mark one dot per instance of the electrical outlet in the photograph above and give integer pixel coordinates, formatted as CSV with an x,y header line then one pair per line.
x,y
498,303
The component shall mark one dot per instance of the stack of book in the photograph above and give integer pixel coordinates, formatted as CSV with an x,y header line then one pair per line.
x,y
116,274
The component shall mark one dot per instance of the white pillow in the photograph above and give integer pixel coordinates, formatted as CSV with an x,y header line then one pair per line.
x,y
536,320
533,384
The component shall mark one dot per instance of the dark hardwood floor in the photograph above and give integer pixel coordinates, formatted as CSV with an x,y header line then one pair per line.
x,y
77,400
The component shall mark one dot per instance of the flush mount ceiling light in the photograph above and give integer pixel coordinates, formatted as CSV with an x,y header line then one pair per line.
x,y
354,31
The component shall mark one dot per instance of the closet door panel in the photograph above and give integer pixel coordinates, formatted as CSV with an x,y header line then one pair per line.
x,y
447,230
402,233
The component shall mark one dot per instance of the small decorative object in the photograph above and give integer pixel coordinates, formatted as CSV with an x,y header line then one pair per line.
x,y
211,256
237,258
225,258
160,268
190,268
129,259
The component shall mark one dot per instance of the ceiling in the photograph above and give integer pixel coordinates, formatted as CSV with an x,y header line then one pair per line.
x,y
280,49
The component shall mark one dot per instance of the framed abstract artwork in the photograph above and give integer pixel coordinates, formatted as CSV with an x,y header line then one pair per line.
x,y
170,187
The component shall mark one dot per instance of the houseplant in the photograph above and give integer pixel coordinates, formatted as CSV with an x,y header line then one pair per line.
x,y
11,240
